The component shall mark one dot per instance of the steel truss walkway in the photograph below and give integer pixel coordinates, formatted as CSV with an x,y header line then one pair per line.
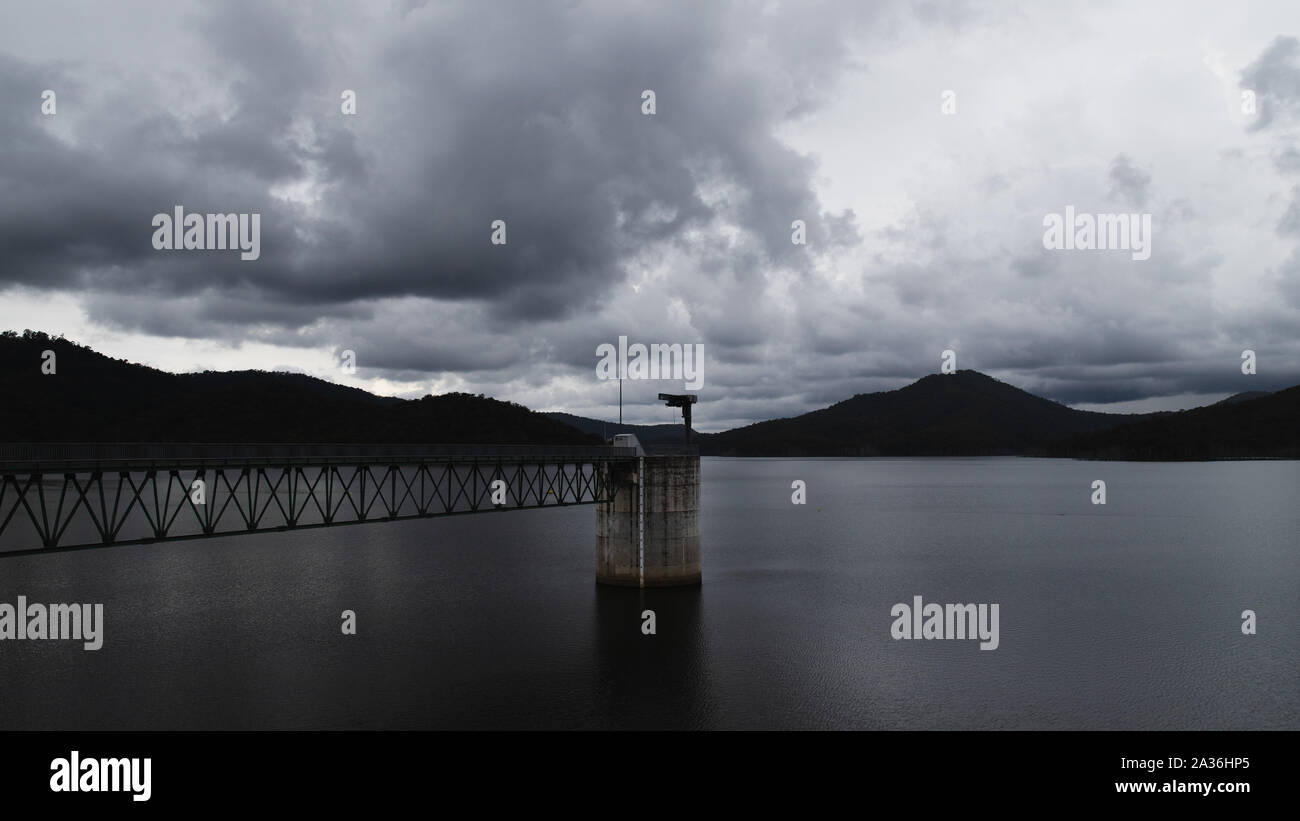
x,y
72,497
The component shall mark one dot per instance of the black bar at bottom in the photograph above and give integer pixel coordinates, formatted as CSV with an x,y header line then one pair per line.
x,y
923,771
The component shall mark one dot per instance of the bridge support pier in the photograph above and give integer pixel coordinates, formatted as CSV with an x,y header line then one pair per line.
x,y
649,535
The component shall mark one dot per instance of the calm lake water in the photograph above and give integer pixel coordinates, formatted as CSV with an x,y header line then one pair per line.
x,y
1123,616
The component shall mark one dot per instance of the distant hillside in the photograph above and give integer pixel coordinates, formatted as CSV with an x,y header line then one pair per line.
x,y
965,413
1242,397
93,398
1260,427
645,434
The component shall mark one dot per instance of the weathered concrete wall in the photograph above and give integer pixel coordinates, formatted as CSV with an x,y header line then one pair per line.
x,y
665,536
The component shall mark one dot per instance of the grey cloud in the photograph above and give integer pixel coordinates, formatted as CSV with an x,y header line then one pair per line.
x,y
1289,224
1287,159
1275,79
1129,183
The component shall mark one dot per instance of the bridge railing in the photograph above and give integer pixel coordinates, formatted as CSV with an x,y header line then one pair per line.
x,y
57,455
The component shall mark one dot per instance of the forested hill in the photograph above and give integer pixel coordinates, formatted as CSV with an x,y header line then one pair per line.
x,y
1265,425
965,413
94,398
970,414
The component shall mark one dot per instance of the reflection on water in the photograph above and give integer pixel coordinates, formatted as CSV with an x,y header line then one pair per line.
x,y
658,681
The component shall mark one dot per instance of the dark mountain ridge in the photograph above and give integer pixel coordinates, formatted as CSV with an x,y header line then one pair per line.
x,y
965,413
1259,427
94,398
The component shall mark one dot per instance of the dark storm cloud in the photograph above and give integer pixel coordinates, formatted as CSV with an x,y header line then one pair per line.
x,y
61,210
534,119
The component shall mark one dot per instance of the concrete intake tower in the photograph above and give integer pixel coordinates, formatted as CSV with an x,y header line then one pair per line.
x,y
649,534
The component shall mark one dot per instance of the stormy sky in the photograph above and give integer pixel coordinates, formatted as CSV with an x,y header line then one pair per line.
x,y
924,227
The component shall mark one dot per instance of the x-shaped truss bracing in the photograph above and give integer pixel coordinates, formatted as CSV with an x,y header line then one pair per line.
x,y
85,507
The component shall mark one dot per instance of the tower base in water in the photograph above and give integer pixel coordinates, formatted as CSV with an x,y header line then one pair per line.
x,y
649,535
